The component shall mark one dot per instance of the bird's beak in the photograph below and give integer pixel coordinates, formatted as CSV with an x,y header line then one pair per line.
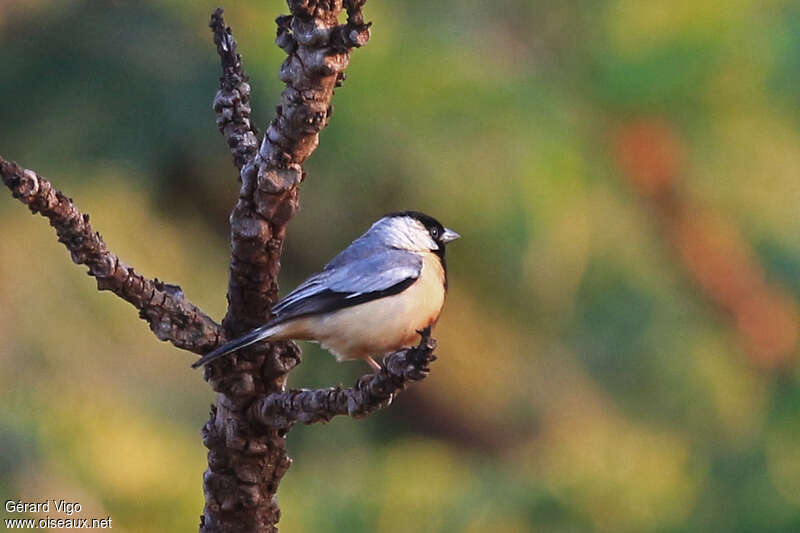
x,y
449,235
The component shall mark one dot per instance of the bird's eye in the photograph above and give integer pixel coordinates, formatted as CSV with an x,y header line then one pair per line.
x,y
435,233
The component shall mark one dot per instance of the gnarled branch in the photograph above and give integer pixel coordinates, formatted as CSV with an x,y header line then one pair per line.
x,y
170,315
232,103
247,461
318,50
370,393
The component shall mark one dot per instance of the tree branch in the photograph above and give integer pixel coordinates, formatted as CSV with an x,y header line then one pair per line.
x,y
247,461
232,103
318,52
370,393
170,315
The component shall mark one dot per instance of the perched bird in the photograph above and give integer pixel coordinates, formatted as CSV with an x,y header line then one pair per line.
x,y
371,299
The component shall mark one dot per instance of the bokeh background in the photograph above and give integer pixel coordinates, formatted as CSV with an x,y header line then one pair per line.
x,y
618,352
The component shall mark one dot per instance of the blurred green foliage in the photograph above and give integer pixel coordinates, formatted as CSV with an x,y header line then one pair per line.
x,y
586,382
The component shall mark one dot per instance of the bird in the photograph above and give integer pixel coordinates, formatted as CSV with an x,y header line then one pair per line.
x,y
373,298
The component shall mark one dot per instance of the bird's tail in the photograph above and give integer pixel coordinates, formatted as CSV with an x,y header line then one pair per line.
x,y
251,337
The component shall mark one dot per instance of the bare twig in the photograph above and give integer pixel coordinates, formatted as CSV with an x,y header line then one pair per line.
x,y
370,393
170,315
232,103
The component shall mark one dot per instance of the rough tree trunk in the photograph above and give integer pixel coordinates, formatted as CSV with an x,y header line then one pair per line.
x,y
246,463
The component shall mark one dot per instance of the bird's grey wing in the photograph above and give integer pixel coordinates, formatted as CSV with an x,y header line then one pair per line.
x,y
345,284
359,249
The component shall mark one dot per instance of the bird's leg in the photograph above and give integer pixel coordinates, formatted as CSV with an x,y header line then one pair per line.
x,y
375,366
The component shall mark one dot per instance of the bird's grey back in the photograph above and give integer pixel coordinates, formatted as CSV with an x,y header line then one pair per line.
x,y
363,247
388,233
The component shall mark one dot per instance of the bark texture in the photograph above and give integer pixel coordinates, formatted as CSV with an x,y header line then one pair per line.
x,y
245,434
232,103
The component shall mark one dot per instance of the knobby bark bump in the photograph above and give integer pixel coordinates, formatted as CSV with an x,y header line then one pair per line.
x,y
246,432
